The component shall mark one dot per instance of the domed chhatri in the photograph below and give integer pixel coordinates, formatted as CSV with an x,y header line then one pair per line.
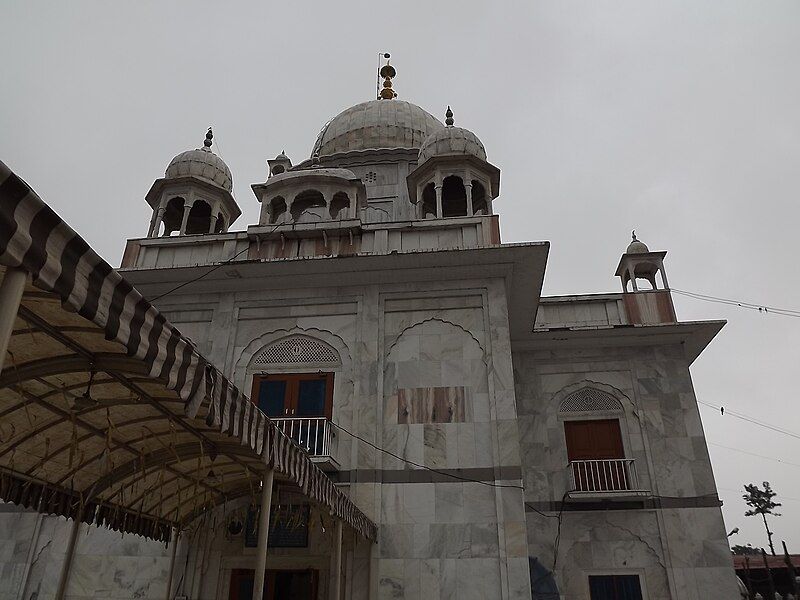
x,y
376,125
451,141
202,163
636,246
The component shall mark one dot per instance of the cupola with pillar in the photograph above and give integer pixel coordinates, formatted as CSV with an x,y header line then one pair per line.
x,y
645,307
453,177
194,196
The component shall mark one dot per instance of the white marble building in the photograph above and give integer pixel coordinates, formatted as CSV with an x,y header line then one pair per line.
x,y
512,446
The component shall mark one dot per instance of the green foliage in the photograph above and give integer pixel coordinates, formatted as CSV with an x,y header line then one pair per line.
x,y
761,503
745,550
759,500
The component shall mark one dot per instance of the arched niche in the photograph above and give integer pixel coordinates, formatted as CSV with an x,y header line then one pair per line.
x,y
199,220
340,206
429,201
479,199
454,197
277,209
173,216
308,207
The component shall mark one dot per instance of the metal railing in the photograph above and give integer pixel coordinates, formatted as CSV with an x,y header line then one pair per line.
x,y
607,475
313,434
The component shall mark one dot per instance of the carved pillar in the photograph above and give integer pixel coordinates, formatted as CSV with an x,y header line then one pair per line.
x,y
438,189
187,208
468,188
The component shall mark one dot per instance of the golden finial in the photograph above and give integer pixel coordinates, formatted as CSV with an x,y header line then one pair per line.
x,y
387,72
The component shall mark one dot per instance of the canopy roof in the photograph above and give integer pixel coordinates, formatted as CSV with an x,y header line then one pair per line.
x,y
107,412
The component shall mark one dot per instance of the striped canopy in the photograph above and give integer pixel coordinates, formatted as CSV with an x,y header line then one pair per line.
x,y
107,412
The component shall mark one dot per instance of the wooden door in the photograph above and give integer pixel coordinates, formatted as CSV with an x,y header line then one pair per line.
x,y
278,585
592,447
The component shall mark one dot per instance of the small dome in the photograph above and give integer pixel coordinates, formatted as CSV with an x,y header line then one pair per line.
x,y
202,163
375,125
636,247
450,141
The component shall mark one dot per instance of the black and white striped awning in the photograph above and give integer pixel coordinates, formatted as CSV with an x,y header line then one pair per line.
x,y
107,411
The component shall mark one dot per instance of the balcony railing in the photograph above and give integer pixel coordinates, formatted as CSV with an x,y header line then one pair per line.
x,y
313,434
608,475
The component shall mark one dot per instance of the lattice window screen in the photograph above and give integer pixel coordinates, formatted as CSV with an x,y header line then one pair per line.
x,y
590,399
298,349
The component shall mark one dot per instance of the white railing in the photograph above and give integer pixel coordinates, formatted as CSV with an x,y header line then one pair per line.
x,y
313,434
608,475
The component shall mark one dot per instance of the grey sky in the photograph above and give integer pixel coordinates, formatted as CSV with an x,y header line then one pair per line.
x,y
678,119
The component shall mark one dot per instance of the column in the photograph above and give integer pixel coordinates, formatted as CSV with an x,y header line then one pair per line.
x,y
263,534
10,296
468,187
438,189
175,534
632,275
213,222
187,207
372,590
66,568
336,574
663,276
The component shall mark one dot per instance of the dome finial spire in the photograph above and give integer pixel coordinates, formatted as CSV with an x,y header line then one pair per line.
x,y
387,72
209,136
633,236
448,117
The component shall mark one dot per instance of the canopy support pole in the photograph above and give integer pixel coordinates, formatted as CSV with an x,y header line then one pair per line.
x,y
66,568
263,534
336,576
172,562
372,589
10,296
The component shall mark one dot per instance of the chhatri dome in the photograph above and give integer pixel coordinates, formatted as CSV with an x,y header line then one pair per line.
x,y
202,163
385,123
636,247
451,141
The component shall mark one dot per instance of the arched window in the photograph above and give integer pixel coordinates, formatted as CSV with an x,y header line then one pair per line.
x,y
277,209
278,169
594,436
308,206
429,201
339,205
454,197
199,220
479,206
173,216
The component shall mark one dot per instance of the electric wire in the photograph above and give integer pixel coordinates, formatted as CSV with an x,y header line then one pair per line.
x,y
761,308
765,457
724,411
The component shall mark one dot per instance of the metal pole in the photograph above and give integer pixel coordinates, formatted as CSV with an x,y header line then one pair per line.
x,y
29,562
372,590
263,534
177,533
336,576
70,553
10,296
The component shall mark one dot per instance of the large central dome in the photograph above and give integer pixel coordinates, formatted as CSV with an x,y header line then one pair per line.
x,y
374,125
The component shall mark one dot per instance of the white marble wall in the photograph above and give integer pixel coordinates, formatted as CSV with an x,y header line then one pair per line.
x,y
105,565
679,552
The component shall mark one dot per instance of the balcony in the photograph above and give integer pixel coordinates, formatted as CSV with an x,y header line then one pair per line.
x,y
312,434
605,479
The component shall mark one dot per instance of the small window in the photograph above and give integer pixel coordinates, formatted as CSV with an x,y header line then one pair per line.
x,y
294,395
615,587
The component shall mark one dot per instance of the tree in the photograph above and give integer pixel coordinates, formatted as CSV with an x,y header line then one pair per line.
x,y
744,550
761,503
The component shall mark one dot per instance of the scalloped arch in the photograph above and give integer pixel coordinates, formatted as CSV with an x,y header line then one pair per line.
x,y
262,342
623,401
440,320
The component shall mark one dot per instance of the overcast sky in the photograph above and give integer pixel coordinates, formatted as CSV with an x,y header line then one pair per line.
x,y
678,119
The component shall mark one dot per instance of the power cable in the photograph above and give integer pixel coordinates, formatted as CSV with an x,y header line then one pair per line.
x,y
761,308
772,458
724,411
